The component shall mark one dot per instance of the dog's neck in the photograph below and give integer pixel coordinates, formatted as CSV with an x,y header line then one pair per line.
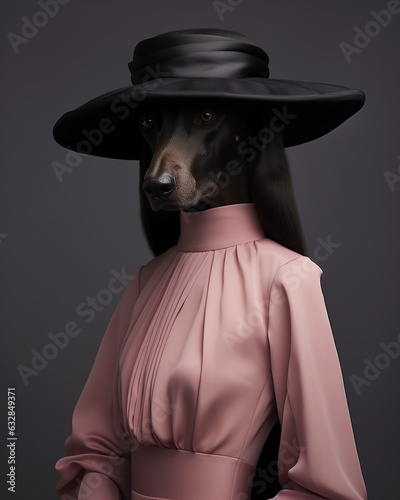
x,y
197,208
238,193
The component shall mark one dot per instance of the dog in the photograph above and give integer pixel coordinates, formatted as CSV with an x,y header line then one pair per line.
x,y
191,147
200,154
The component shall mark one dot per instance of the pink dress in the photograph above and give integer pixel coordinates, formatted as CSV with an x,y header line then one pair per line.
x,y
212,342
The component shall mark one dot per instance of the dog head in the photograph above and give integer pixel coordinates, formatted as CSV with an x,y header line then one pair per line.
x,y
191,143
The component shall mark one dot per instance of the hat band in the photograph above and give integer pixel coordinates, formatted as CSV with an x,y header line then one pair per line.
x,y
218,59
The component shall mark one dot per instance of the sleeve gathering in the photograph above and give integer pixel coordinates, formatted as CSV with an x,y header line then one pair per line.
x,y
317,454
97,461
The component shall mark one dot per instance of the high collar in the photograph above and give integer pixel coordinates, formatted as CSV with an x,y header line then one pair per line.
x,y
219,227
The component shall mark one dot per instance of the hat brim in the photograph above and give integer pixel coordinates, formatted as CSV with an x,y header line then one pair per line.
x,y
106,126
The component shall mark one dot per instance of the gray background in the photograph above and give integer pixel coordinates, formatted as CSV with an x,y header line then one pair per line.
x,y
64,239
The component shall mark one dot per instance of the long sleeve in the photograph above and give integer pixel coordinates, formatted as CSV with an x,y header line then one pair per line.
x,y
97,461
317,455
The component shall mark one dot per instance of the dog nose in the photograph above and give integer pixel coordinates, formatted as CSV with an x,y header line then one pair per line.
x,y
159,186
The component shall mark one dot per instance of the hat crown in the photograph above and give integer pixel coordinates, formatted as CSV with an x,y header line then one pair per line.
x,y
198,53
205,64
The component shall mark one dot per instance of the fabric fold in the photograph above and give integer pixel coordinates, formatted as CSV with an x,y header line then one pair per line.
x,y
205,351
317,454
97,442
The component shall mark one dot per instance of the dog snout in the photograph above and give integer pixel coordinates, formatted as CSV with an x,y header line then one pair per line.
x,y
159,187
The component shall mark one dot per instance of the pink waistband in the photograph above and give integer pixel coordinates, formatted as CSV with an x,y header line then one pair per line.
x,y
163,473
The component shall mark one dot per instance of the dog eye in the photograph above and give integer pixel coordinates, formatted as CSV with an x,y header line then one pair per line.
x,y
206,116
146,121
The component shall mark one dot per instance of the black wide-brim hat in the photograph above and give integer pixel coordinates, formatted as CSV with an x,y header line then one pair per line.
x,y
202,63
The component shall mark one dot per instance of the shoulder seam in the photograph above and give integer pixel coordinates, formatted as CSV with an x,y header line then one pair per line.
x,y
285,263
272,286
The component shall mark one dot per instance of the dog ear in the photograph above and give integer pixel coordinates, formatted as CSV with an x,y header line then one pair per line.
x,y
273,194
162,228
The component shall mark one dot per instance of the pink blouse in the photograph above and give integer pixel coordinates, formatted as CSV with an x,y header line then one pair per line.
x,y
212,342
